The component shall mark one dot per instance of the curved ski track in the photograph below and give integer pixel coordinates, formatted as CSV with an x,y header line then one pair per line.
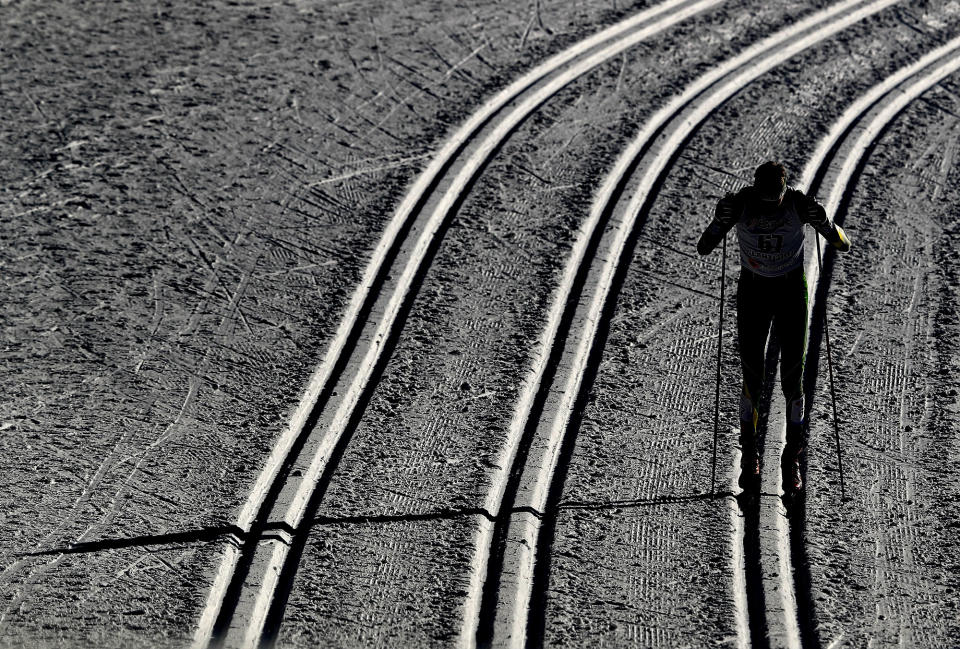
x,y
507,548
788,609
511,578
240,598
836,165
502,580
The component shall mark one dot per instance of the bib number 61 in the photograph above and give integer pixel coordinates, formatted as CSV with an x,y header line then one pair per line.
x,y
770,242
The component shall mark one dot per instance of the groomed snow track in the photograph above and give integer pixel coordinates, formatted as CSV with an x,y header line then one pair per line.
x,y
244,588
249,596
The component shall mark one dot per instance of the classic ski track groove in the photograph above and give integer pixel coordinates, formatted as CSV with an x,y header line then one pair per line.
x,y
369,285
884,102
591,52
512,603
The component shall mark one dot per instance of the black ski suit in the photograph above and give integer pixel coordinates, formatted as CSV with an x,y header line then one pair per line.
x,y
772,289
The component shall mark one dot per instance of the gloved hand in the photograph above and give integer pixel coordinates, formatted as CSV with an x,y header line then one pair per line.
x,y
843,243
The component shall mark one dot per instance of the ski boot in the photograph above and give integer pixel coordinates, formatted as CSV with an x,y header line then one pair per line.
x,y
791,475
790,468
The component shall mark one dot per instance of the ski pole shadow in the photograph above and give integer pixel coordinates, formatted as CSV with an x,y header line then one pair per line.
x,y
226,533
641,502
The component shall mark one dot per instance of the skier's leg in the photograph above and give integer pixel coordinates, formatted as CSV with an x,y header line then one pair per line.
x,y
791,324
754,317
753,327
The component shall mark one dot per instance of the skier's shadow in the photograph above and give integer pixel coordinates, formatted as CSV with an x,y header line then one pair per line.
x,y
794,504
749,502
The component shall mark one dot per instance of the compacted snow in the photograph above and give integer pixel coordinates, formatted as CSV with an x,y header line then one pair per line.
x,y
192,201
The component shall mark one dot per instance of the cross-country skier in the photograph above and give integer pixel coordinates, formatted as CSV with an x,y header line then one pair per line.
x,y
772,289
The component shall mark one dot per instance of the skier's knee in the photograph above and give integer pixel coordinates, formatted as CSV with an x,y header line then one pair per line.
x,y
748,412
795,410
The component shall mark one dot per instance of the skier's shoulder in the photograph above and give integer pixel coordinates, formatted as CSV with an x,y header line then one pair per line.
x,y
795,195
731,204
807,207
743,195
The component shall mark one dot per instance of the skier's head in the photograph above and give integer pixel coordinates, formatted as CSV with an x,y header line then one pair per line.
x,y
770,181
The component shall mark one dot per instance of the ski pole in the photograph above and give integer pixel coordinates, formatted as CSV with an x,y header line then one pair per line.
x,y
716,409
833,392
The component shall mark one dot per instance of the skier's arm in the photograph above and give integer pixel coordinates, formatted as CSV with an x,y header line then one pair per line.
x,y
724,218
814,214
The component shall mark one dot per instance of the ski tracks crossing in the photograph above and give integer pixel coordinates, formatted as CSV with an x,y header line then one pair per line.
x,y
523,484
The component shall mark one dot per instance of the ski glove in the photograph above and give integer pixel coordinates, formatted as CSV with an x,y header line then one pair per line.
x,y
725,217
842,243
